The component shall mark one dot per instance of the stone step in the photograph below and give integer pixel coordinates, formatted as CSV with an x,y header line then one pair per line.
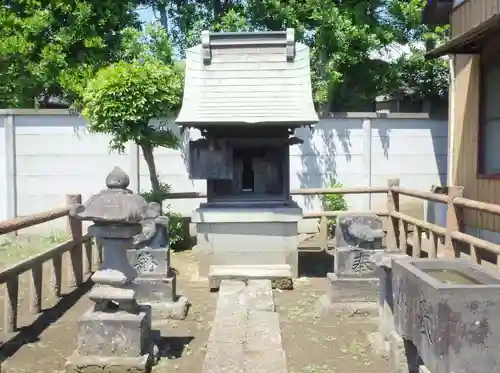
x,y
280,275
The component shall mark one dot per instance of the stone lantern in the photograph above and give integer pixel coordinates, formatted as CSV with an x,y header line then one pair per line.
x,y
115,334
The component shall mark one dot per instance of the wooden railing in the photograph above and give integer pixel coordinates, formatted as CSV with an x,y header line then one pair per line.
x,y
80,263
456,242
406,232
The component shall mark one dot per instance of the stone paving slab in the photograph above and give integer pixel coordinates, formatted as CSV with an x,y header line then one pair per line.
x,y
265,362
229,327
259,294
263,331
223,358
246,334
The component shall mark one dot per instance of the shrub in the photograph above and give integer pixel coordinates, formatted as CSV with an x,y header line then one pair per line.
x,y
334,202
175,220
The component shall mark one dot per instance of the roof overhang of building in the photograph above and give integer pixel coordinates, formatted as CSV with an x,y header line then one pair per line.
x,y
437,12
247,78
470,42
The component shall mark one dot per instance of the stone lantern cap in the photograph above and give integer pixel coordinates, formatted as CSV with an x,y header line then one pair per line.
x,y
116,204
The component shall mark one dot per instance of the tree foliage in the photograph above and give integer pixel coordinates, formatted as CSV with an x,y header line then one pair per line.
x,y
343,36
53,47
46,44
123,98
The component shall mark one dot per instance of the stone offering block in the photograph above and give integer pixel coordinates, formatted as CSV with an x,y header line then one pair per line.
x,y
148,261
450,310
356,262
359,230
280,275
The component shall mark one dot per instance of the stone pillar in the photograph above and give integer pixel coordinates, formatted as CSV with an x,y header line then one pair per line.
x,y
115,334
156,283
354,284
380,340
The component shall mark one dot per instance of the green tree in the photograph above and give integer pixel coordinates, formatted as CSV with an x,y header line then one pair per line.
x,y
48,46
123,98
411,74
342,35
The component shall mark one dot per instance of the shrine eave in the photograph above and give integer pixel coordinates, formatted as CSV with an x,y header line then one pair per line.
x,y
285,123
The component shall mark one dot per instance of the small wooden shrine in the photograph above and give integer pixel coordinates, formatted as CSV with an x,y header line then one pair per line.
x,y
246,93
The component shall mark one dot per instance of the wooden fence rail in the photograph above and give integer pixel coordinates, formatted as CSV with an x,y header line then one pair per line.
x,y
79,246
406,232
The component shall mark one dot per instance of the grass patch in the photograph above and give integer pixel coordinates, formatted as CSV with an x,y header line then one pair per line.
x,y
14,250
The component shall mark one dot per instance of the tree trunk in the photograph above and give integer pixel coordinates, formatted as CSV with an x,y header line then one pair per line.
x,y
162,9
147,152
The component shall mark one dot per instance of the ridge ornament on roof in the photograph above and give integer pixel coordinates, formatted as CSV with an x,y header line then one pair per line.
x,y
270,38
238,78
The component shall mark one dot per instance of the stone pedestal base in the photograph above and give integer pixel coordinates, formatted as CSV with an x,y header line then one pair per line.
x,y
343,288
114,333
357,294
247,236
110,340
153,288
94,364
160,292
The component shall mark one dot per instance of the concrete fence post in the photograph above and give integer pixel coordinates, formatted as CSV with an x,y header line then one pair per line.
x,y
134,174
10,166
367,159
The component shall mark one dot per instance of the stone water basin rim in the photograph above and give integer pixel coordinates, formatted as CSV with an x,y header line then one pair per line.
x,y
462,273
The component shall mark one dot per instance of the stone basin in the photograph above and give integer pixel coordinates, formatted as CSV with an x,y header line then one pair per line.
x,y
450,310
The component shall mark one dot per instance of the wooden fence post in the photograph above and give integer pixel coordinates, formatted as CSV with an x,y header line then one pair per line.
x,y
454,220
35,304
75,229
392,239
323,233
11,303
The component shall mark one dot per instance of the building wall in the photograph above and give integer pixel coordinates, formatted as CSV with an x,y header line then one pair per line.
x,y
471,13
466,145
466,16
56,155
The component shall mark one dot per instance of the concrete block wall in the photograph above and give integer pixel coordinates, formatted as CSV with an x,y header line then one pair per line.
x,y
45,154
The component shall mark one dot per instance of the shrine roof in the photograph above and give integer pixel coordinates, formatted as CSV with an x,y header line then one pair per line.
x,y
247,78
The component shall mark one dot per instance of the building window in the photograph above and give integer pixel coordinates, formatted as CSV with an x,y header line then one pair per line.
x,y
489,124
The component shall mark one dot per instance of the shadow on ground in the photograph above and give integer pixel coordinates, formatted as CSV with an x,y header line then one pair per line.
x,y
315,264
31,333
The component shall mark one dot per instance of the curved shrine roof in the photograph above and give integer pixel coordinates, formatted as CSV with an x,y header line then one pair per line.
x,y
247,78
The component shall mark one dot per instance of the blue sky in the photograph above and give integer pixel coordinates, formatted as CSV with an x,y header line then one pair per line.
x,y
146,15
